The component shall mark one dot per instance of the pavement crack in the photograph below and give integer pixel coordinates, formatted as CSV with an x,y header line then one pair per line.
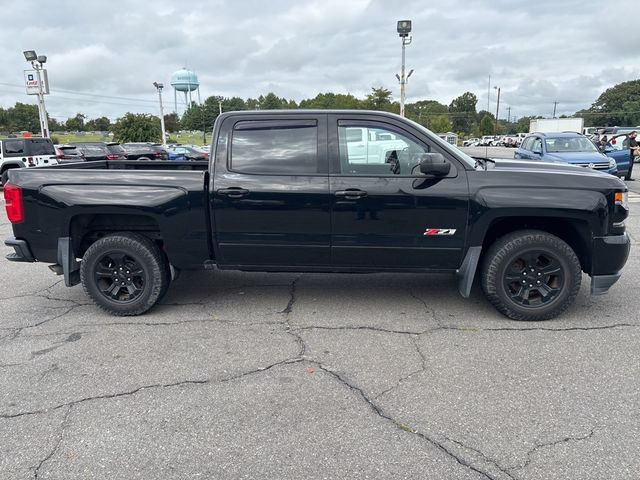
x,y
129,393
426,307
402,426
502,470
539,446
543,329
364,327
423,367
63,427
292,296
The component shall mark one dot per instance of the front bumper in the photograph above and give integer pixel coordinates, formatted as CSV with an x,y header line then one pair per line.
x,y
609,256
22,252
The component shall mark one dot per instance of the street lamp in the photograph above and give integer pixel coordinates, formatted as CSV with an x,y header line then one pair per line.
x,y
495,128
159,87
404,29
37,61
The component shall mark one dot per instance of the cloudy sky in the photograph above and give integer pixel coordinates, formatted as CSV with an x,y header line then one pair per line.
x,y
103,56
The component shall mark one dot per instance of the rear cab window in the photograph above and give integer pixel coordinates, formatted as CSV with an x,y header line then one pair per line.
x,y
275,147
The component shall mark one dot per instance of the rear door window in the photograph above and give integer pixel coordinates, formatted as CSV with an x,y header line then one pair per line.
x,y
283,147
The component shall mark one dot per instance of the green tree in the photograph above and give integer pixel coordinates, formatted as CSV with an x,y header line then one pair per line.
x,y
76,124
617,105
22,117
193,118
137,127
338,101
441,124
463,112
271,102
100,124
379,99
486,124
425,112
171,122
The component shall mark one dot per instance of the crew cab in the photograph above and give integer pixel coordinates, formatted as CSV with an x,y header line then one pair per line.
x,y
294,191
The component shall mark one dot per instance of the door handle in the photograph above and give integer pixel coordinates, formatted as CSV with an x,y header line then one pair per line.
x,y
351,193
233,192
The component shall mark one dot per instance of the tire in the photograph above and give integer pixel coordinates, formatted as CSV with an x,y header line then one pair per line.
x,y
511,262
127,254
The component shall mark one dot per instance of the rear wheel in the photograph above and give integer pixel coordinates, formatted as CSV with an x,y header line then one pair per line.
x,y
124,273
531,275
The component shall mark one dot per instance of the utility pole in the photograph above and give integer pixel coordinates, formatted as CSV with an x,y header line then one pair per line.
x,y
159,87
509,113
554,109
404,28
495,128
489,94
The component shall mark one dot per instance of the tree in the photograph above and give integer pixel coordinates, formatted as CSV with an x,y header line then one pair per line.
x,y
486,125
21,117
425,112
379,99
137,127
171,122
618,105
441,124
193,118
271,102
463,112
101,124
76,124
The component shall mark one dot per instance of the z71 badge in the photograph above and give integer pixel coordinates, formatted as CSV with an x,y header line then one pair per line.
x,y
439,231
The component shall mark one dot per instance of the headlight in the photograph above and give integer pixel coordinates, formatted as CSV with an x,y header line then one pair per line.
x,y
612,163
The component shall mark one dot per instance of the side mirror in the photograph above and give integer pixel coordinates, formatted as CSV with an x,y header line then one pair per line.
x,y
434,164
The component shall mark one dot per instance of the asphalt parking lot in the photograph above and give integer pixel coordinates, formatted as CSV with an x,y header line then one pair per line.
x,y
278,376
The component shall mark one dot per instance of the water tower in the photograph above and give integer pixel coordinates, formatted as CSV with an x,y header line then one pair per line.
x,y
184,81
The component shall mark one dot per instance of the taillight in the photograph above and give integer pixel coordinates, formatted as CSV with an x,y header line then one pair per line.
x,y
13,203
157,154
112,157
31,162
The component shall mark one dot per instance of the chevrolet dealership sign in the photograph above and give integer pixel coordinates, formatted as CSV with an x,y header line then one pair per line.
x,y
31,82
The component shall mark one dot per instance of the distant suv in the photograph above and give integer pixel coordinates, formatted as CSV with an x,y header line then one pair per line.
x,y
565,147
25,152
101,150
145,151
69,154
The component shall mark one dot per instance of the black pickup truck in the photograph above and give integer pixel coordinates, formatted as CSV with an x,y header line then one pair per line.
x,y
324,191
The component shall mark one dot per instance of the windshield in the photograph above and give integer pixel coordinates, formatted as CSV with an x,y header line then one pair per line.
x,y
569,144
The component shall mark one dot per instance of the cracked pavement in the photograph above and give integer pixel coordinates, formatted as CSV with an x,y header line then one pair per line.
x,y
275,376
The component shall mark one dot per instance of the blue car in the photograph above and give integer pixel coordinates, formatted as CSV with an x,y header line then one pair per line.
x,y
618,149
566,147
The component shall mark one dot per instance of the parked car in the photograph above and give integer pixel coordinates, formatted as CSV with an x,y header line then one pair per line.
x,y
25,152
69,154
183,152
486,140
471,142
284,194
618,149
101,150
565,147
145,151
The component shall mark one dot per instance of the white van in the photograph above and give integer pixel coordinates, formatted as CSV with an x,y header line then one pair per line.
x,y
25,153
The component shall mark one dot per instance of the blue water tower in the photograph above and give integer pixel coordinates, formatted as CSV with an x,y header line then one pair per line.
x,y
185,81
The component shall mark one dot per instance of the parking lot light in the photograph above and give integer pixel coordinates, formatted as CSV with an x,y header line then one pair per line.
x,y
404,29
159,87
37,61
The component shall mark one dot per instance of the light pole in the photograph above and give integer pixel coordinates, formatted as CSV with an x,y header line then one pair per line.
x,y
159,87
36,62
404,28
495,128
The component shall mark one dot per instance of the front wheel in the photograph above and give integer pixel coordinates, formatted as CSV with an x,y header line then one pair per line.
x,y
531,275
124,274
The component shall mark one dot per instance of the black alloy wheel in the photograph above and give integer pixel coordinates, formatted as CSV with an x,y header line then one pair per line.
x,y
534,278
119,277
125,273
531,275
